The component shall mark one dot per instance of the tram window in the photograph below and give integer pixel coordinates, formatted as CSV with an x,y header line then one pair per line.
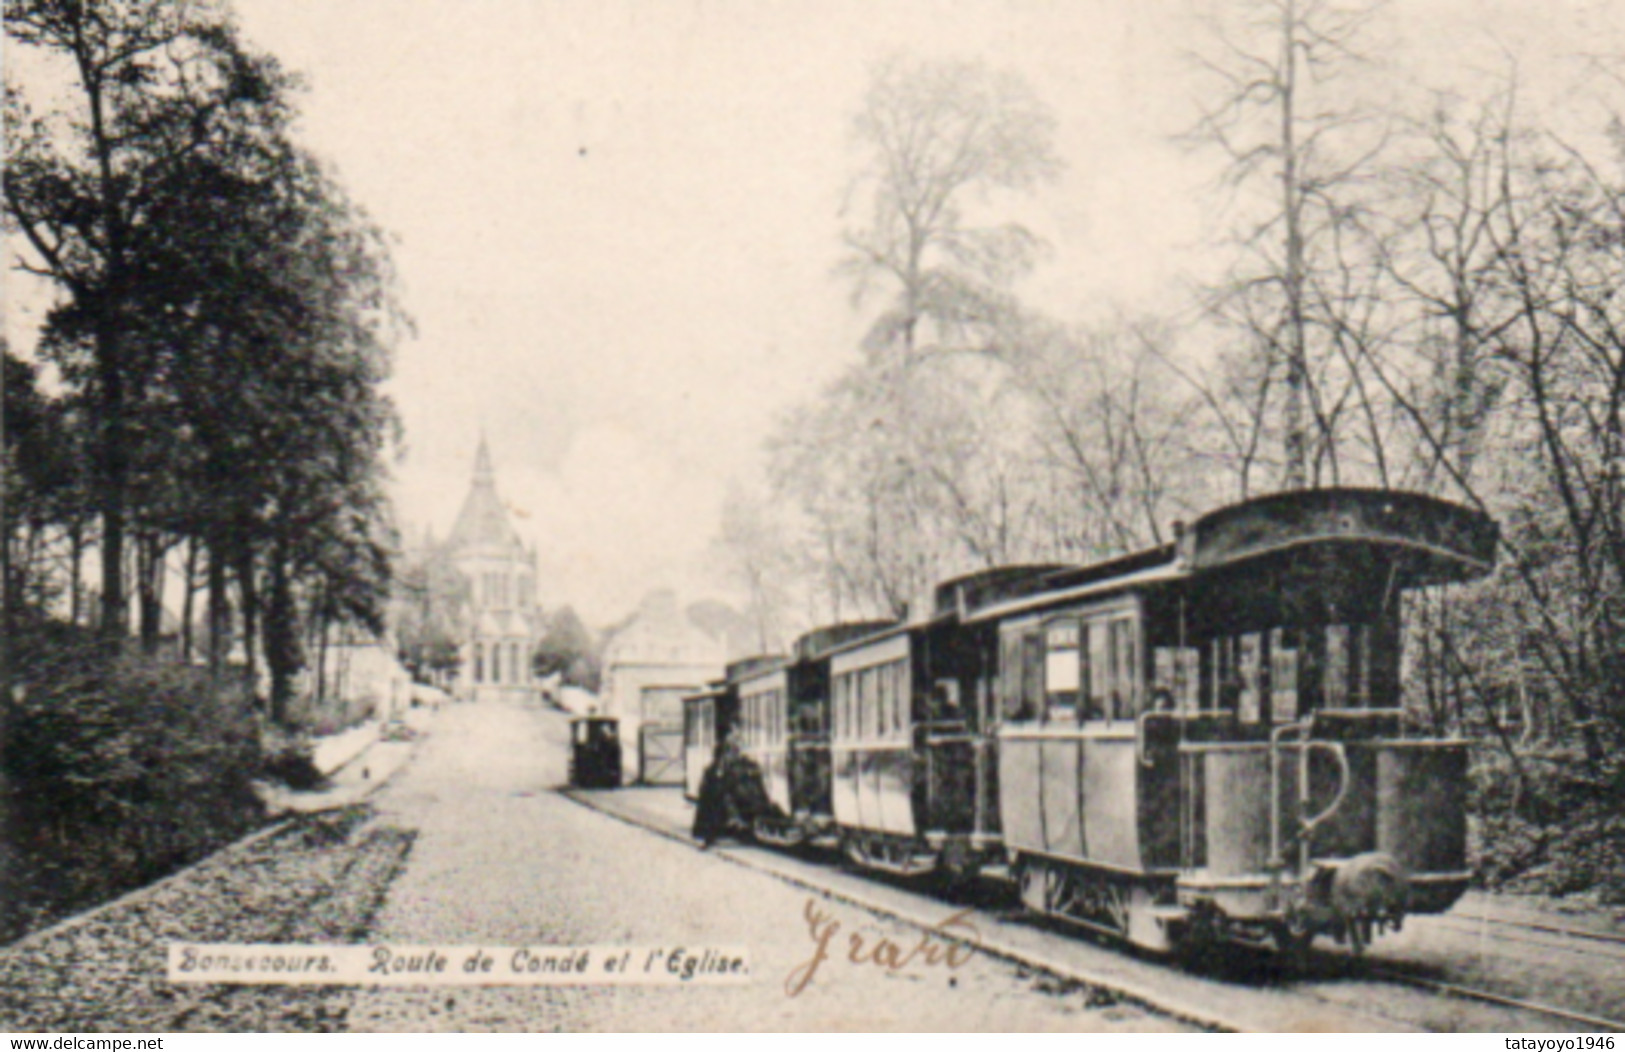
x,y
854,712
1226,674
1125,669
863,700
1032,675
883,692
1062,669
1250,660
1285,658
889,721
1098,644
1009,677
1360,655
1178,671
1335,677
899,698
883,700
869,703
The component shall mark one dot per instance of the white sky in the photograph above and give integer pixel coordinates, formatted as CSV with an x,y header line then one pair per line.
x,y
617,220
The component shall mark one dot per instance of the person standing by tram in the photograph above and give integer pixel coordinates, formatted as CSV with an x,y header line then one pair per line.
x,y
732,796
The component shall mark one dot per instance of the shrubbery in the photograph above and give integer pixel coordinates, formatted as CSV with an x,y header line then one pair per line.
x,y
1553,831
117,770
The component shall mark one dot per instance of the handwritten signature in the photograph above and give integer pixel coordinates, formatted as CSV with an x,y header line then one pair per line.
x,y
949,944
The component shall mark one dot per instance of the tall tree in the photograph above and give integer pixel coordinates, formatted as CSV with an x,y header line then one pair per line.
x,y
281,311
892,466
939,138
1276,64
151,86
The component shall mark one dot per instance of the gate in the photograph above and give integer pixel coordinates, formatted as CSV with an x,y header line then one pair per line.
x,y
660,750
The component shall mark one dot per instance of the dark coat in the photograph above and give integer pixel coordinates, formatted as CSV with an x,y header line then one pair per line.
x,y
732,796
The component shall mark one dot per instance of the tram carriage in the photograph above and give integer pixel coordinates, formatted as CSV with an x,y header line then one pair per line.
x,y
764,725
799,766
1208,739
708,717
1201,741
595,752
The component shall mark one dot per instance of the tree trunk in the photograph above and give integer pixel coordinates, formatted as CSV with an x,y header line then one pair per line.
x,y
248,596
284,656
114,469
189,592
1296,476
219,609
150,582
76,560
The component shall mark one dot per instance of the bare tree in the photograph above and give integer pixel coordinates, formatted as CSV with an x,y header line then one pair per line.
x,y
902,468
1113,420
1275,64
939,138
757,554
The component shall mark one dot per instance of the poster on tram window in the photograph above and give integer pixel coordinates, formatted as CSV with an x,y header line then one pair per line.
x,y
812,516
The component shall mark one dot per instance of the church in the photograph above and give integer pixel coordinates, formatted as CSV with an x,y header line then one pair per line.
x,y
503,623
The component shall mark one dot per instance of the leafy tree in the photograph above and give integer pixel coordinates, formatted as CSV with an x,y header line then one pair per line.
x,y
567,648
430,613
153,86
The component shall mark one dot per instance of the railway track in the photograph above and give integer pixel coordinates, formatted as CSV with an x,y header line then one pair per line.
x,y
1389,974
1554,936
1340,993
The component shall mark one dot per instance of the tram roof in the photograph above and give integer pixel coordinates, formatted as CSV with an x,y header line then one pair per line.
x,y
1168,571
1441,542
829,637
1444,542
756,668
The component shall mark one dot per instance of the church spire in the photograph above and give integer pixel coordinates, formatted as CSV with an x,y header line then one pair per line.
x,y
483,522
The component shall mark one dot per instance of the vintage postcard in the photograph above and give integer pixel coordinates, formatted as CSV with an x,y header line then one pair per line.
x,y
934,515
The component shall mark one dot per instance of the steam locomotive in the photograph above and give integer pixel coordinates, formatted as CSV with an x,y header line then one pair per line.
x,y
1204,741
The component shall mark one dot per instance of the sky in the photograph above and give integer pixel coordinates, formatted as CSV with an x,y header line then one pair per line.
x,y
616,221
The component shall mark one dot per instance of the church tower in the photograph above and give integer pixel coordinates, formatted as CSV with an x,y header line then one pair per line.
x,y
503,623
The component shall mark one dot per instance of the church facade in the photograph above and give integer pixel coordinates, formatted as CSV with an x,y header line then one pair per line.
x,y
503,622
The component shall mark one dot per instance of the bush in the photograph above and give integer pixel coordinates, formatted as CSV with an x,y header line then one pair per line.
x,y
293,766
1556,832
117,771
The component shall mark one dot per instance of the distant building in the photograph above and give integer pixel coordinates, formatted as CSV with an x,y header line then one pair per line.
x,y
503,623
660,654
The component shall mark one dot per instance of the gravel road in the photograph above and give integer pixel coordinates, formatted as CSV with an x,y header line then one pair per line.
x,y
502,859
470,844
